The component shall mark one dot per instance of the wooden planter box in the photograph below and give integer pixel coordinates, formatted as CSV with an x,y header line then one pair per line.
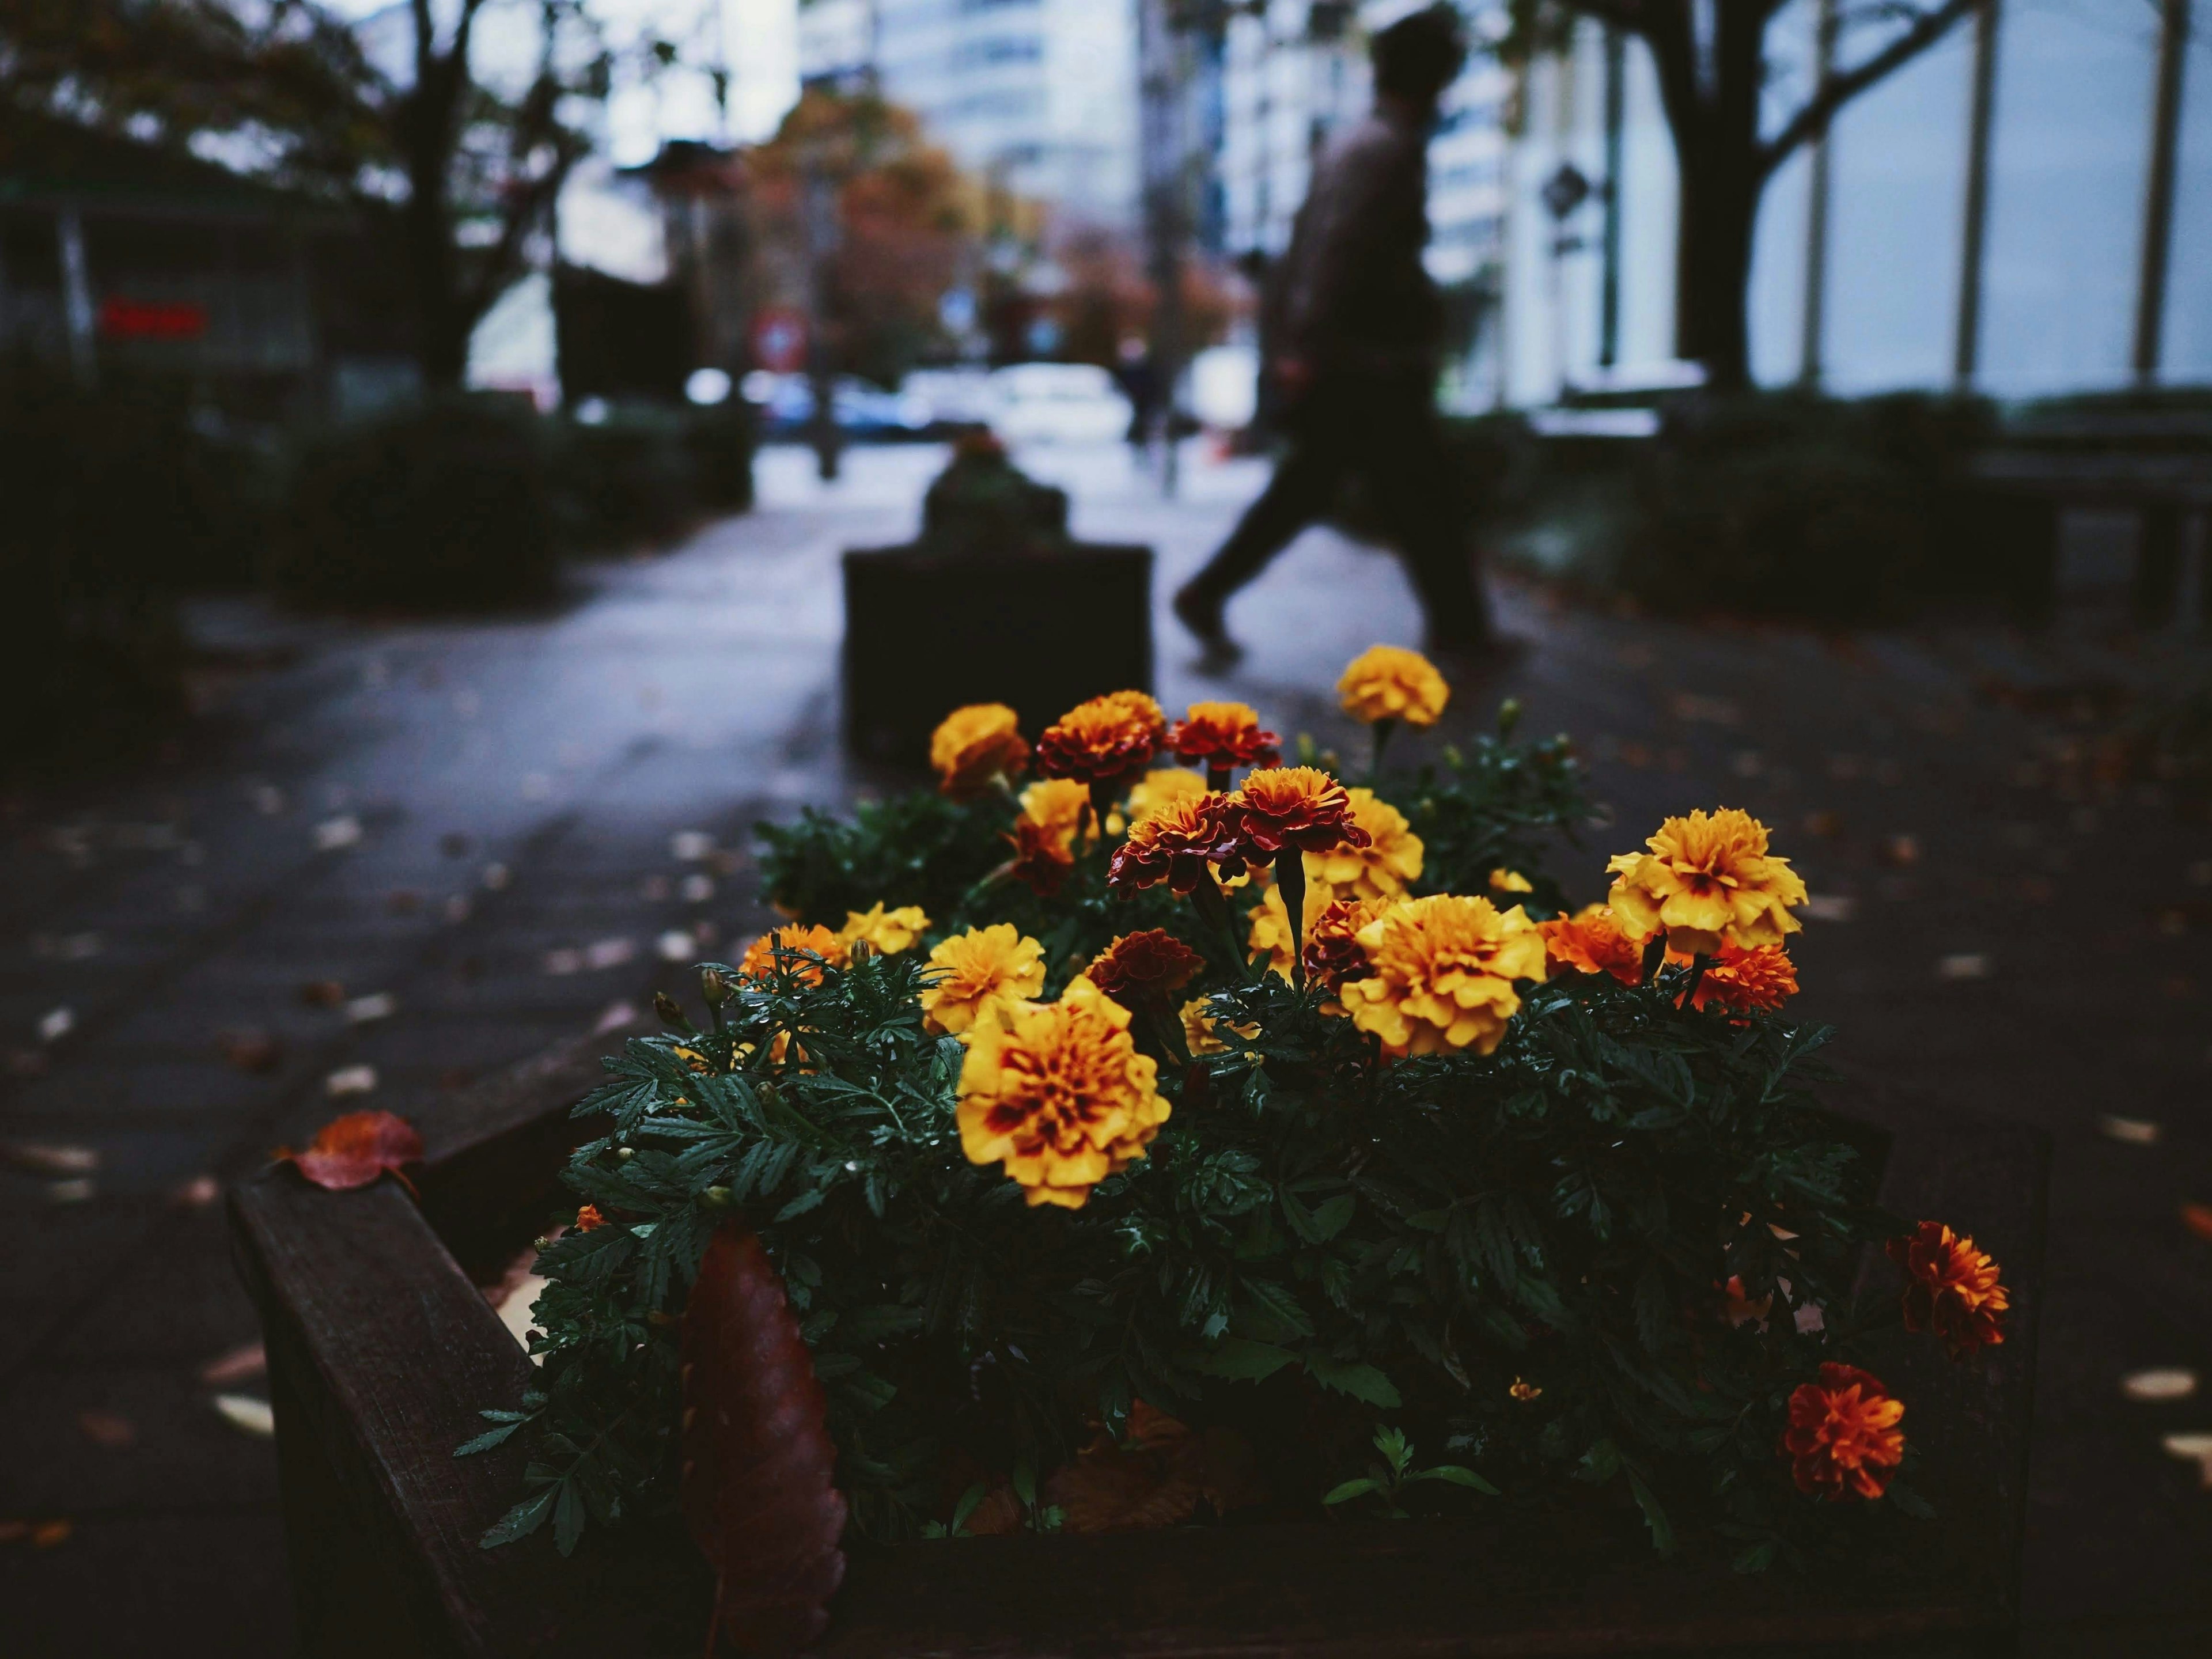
x,y
382,1349
927,631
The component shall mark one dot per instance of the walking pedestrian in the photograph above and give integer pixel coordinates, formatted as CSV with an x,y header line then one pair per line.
x,y
1357,324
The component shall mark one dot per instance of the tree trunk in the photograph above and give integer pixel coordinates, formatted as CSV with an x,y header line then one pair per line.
x,y
442,333
1712,275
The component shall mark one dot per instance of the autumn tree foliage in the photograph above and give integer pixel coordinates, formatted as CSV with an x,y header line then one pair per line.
x,y
894,225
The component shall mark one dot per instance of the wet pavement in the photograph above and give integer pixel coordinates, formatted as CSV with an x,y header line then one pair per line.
x,y
392,858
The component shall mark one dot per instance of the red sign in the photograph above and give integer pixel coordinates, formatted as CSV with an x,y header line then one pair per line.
x,y
780,340
152,319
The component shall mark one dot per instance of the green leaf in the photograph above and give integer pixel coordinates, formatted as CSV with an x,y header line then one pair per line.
x,y
568,1517
1911,1502
810,1199
1457,1476
489,1439
1244,1360
522,1520
1757,1559
1360,1382
1350,1489
966,1506
1333,1216
1655,1517
1272,1311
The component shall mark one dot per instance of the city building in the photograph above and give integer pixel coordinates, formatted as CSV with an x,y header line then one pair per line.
x,y
1039,96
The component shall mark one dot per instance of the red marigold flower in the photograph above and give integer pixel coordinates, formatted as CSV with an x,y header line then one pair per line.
x,y
1951,1288
1334,954
589,1217
1042,856
1145,967
1748,981
1843,1440
1222,736
1300,808
1176,847
1107,741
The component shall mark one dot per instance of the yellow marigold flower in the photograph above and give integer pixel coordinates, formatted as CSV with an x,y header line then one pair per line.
x,y
1271,923
1156,792
985,971
1706,879
1201,1033
1388,682
1502,880
1059,1094
887,932
1381,869
1442,973
1061,808
759,959
974,745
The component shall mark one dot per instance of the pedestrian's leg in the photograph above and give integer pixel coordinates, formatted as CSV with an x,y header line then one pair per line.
x,y
1304,484
1421,504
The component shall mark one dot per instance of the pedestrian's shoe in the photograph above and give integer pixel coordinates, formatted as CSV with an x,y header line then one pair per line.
x,y
1200,612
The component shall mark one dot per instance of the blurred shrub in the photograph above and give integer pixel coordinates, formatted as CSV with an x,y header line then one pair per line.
x,y
114,503
446,506
719,441
623,480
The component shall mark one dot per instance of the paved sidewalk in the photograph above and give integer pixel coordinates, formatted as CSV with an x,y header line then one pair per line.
x,y
484,834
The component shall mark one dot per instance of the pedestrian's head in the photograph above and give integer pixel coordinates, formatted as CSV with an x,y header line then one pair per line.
x,y
1419,55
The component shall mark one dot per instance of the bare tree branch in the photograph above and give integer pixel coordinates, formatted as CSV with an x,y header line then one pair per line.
x,y
1837,90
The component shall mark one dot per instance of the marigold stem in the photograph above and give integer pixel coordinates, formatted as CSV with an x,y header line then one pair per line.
x,y
1213,908
1217,779
1291,878
1384,731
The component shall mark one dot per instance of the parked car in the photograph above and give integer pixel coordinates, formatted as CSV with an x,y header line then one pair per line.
x,y
1057,403
863,410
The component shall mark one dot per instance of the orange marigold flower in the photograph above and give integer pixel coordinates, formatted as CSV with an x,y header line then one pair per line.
x,y
885,932
1107,741
1177,846
1442,973
1951,1288
1591,942
589,1217
1748,981
1222,736
1055,818
1843,1439
1058,1093
1298,808
981,973
1706,879
794,943
974,746
1147,966
1388,682
1380,865
1154,792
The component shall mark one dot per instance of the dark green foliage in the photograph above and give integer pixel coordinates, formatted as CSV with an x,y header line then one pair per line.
x,y
1497,804
440,507
622,481
1789,504
911,849
982,502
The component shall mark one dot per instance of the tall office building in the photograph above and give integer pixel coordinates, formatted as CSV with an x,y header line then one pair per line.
x,y
1039,96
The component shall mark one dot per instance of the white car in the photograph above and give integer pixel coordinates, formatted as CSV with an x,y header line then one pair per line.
x,y
1057,403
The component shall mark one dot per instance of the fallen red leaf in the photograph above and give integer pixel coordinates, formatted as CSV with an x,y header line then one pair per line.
x,y
354,1150
2197,1217
758,1491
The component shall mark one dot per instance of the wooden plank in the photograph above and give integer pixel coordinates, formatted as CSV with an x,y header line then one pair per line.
x,y
382,1351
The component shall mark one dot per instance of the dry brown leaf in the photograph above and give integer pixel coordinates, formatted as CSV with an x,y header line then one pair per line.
x,y
110,1430
236,1366
249,1049
2197,1217
322,993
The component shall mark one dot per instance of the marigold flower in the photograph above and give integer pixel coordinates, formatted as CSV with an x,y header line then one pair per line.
x,y
1147,966
1107,741
1442,974
1591,942
1060,808
885,932
1201,1032
1746,981
1706,879
1178,846
1059,1094
588,1217
1300,808
1388,682
975,744
983,972
1381,865
1156,791
1333,951
1951,1288
1502,880
1524,1391
1271,925
1843,1439
1222,736
795,943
